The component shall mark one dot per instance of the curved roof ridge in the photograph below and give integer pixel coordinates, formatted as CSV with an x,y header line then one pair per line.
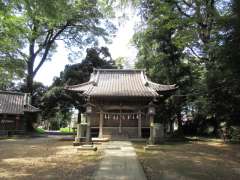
x,y
11,92
149,81
161,87
31,108
145,82
79,85
96,78
119,70
143,77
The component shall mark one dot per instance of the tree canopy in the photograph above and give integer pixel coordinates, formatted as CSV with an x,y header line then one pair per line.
x,y
194,44
30,30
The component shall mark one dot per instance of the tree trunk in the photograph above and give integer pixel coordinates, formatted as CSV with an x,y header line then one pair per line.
x,y
29,89
29,79
179,119
171,127
29,84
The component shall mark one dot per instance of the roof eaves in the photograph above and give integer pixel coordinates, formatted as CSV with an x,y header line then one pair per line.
x,y
145,83
78,85
88,92
11,92
30,108
161,87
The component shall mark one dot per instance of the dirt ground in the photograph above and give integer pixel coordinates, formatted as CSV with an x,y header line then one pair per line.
x,y
45,158
187,161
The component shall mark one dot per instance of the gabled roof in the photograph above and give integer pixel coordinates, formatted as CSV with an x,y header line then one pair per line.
x,y
13,103
120,83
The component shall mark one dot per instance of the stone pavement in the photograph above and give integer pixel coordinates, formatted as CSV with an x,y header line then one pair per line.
x,y
119,163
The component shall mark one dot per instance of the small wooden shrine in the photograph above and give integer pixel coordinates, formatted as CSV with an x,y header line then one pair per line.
x,y
120,103
15,109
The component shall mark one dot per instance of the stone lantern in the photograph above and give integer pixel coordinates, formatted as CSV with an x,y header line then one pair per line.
x,y
83,126
88,113
88,109
151,113
78,136
151,109
156,129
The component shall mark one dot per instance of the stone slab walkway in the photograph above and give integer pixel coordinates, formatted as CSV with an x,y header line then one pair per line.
x,y
119,163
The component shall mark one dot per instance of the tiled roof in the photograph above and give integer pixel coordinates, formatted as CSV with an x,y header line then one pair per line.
x,y
13,103
122,83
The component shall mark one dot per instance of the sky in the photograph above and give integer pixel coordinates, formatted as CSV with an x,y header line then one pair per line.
x,y
120,47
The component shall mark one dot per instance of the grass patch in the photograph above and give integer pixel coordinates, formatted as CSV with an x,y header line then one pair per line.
x,y
40,130
66,130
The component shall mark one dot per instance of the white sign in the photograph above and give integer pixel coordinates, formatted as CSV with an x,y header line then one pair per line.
x,y
7,121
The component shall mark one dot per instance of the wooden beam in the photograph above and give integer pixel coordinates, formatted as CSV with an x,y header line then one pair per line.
x,y
139,125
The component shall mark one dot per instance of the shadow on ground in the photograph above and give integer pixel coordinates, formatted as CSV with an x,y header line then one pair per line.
x,y
203,160
45,158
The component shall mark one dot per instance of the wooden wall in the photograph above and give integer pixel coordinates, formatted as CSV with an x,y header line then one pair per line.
x,y
12,124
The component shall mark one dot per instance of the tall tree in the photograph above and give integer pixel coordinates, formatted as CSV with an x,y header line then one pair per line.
x,y
10,33
43,23
177,43
162,54
223,77
57,98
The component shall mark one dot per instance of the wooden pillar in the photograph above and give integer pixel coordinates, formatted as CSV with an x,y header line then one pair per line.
x,y
120,120
120,125
100,134
17,122
139,125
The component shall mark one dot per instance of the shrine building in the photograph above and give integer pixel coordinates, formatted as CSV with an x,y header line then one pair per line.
x,y
120,102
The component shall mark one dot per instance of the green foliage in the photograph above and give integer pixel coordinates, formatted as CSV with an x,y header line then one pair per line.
x,y
162,54
194,44
40,130
11,67
223,77
66,130
30,29
10,70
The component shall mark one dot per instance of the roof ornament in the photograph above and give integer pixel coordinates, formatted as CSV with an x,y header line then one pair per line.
x,y
95,80
144,78
27,99
94,70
